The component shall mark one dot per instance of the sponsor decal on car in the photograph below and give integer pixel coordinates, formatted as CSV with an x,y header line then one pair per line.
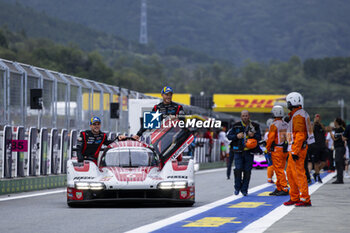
x,y
183,194
79,195
106,178
130,171
131,176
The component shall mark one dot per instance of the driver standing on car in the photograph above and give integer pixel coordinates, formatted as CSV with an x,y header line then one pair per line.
x,y
90,141
167,108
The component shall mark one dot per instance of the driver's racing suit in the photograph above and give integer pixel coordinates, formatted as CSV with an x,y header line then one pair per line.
x,y
89,145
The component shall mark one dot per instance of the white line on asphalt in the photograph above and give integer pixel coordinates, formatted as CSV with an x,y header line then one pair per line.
x,y
265,222
210,171
32,195
179,217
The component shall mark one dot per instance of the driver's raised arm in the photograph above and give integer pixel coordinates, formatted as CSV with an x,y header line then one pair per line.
x,y
80,146
120,137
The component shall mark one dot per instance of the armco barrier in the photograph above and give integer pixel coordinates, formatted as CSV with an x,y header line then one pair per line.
x,y
202,151
206,166
46,153
17,185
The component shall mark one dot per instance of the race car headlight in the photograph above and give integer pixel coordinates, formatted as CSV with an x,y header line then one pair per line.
x,y
87,186
96,186
172,185
180,184
165,185
82,185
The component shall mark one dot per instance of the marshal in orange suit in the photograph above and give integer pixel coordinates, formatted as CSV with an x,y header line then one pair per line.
x,y
277,145
299,135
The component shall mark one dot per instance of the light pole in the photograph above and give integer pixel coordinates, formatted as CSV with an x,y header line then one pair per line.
x,y
341,104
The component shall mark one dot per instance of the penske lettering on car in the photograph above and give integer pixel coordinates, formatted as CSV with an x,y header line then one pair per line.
x,y
83,178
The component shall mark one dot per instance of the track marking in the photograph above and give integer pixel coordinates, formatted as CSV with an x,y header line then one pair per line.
x,y
249,205
210,171
265,194
211,222
265,222
179,217
33,195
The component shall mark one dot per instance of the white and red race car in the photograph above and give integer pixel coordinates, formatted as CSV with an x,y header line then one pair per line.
x,y
134,171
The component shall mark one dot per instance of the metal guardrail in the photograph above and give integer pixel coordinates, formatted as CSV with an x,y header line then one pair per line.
x,y
204,153
47,152
68,102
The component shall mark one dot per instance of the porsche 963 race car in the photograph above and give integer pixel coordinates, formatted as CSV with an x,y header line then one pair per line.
x,y
135,171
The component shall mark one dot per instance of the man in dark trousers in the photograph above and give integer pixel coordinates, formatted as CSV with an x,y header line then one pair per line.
x,y
166,108
244,135
90,141
318,150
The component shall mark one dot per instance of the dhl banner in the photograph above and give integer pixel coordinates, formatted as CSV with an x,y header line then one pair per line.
x,y
178,98
252,103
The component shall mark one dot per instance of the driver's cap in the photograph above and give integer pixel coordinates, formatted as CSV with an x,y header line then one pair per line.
x,y
94,120
167,89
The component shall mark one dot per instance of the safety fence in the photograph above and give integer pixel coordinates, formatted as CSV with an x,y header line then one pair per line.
x,y
40,152
67,102
206,153
34,152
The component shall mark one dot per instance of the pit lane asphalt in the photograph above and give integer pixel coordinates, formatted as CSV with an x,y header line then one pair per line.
x,y
50,213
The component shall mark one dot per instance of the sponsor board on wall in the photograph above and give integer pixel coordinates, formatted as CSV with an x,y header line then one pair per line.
x,y
252,103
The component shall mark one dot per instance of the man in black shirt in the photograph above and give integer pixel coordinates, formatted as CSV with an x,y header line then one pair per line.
x,y
339,148
90,141
166,108
318,150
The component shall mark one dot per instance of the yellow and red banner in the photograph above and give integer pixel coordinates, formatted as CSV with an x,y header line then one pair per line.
x,y
252,103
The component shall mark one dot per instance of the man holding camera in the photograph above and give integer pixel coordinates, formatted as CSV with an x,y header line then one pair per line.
x,y
245,135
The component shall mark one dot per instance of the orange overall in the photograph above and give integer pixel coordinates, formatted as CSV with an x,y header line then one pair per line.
x,y
277,136
297,135
270,174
